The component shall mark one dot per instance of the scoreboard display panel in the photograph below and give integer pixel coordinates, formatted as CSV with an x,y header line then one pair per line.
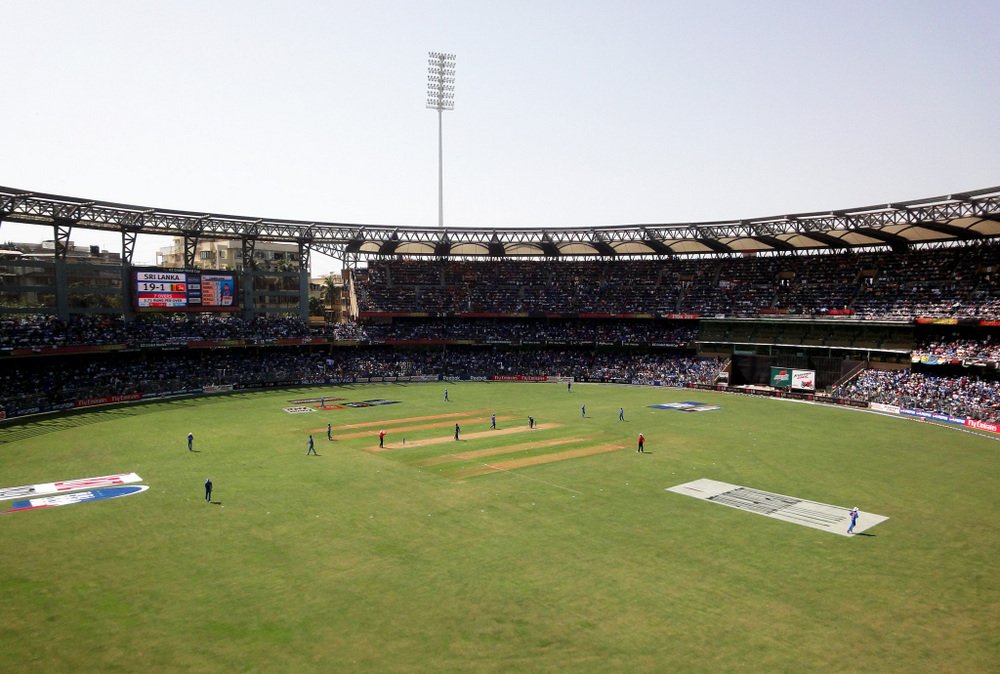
x,y
183,290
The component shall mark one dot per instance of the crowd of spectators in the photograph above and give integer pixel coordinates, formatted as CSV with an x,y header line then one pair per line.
x,y
946,282
964,396
633,351
45,331
34,331
34,382
512,286
517,331
958,349
477,362
38,331
29,383
958,282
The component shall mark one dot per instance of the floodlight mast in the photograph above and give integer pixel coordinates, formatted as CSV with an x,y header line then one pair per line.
x,y
440,97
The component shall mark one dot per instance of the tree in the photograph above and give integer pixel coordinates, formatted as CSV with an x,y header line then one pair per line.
x,y
330,291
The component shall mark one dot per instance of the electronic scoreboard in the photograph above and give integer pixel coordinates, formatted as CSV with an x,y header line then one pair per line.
x,y
174,290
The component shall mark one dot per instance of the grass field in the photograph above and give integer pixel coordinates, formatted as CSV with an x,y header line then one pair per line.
x,y
554,549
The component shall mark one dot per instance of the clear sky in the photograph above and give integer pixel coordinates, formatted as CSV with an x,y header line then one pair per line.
x,y
572,112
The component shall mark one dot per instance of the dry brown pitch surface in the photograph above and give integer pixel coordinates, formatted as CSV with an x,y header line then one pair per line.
x,y
494,451
512,464
451,437
388,424
392,429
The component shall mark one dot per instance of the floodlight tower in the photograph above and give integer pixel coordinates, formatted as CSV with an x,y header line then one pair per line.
x,y
440,97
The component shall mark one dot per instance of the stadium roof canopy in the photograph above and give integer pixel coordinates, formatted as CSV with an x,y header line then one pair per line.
x,y
959,217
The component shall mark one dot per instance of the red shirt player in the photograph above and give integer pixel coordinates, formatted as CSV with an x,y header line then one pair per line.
x,y
381,439
642,442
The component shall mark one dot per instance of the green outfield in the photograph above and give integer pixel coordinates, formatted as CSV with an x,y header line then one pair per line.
x,y
550,549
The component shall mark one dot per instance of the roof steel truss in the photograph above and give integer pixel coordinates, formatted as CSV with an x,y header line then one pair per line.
x,y
883,223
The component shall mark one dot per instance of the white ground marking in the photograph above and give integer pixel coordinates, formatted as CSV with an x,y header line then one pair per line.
x,y
831,518
528,477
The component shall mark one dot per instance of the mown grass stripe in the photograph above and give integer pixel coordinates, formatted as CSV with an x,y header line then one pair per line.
x,y
492,433
388,423
493,451
540,459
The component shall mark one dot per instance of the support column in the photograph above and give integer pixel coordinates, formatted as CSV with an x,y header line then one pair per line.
x,y
190,249
128,250
128,246
304,281
61,231
247,282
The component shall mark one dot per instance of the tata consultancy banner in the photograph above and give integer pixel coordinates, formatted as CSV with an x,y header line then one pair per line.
x,y
783,377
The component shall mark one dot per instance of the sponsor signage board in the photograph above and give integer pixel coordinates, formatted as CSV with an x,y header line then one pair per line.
x,y
686,406
371,403
781,377
88,496
933,416
982,425
785,377
804,379
41,489
107,400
